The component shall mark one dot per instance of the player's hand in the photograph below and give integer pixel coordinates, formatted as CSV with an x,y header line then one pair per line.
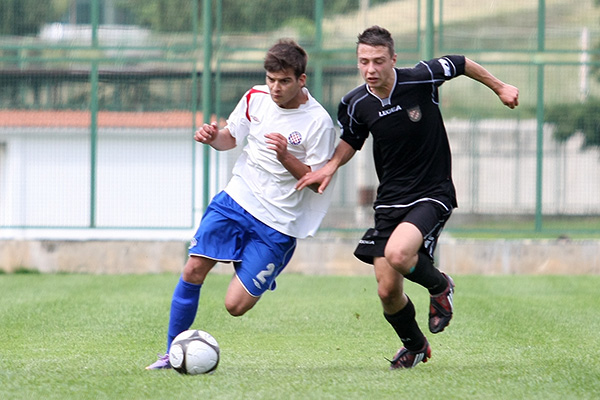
x,y
509,95
206,133
278,143
320,177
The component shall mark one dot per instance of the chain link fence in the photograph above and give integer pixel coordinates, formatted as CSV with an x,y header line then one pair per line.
x,y
99,101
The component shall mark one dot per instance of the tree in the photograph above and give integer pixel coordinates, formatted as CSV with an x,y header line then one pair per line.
x,y
160,15
572,118
25,17
238,15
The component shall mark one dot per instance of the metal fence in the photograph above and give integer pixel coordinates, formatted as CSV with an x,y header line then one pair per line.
x,y
97,114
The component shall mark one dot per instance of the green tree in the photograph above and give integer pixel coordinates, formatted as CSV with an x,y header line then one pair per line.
x,y
160,15
238,15
572,118
25,17
265,15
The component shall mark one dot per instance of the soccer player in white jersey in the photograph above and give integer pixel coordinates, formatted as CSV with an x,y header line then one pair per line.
x,y
255,221
416,195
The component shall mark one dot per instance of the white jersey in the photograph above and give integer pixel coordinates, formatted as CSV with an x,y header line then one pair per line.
x,y
260,183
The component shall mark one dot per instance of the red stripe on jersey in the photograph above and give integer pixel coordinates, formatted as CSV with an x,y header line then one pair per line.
x,y
248,95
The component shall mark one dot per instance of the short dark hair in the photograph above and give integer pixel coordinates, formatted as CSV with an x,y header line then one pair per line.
x,y
286,54
377,36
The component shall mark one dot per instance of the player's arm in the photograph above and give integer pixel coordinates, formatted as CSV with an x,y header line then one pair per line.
x,y
278,143
321,177
508,94
218,139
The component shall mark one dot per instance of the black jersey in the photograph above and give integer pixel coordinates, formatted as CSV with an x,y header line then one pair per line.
x,y
410,144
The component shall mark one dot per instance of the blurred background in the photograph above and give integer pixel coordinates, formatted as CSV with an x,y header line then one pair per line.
x,y
99,100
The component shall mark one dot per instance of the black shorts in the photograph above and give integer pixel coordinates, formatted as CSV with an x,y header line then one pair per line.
x,y
429,216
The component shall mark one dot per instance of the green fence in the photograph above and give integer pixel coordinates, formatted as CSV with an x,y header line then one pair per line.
x,y
99,101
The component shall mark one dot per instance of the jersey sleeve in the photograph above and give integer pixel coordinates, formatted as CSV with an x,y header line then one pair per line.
x,y
321,145
445,68
238,122
352,131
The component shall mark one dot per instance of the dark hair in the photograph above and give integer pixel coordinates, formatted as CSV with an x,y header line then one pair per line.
x,y
286,54
377,36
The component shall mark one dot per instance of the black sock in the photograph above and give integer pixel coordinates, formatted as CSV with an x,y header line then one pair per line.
x,y
405,325
428,276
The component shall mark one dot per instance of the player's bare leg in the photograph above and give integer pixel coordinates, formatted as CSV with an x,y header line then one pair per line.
x,y
196,269
237,300
402,247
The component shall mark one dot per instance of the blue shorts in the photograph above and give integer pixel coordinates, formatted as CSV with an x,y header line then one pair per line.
x,y
228,233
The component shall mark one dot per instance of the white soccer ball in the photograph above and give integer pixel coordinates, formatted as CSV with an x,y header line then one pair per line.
x,y
194,352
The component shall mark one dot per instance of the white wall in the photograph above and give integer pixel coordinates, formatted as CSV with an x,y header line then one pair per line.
x,y
494,169
144,178
149,181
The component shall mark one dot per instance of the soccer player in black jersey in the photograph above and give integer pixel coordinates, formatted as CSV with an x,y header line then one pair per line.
x,y
416,195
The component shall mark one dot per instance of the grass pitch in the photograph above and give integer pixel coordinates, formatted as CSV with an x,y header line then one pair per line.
x,y
315,337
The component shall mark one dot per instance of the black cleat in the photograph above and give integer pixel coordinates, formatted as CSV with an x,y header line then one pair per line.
x,y
441,308
405,358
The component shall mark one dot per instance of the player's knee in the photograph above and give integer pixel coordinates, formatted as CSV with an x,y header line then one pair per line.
x,y
196,269
389,295
236,309
400,260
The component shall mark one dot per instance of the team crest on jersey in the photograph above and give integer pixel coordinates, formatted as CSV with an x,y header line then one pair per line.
x,y
414,114
295,138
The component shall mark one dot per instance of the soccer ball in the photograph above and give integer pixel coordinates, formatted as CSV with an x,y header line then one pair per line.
x,y
194,352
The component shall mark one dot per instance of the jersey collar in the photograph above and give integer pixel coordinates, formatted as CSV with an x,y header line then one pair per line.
x,y
385,101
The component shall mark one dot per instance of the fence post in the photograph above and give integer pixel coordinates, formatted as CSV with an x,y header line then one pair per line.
x,y
540,114
206,95
95,21
429,30
317,87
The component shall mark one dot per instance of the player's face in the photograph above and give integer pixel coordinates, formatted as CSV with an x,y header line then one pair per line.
x,y
376,67
286,89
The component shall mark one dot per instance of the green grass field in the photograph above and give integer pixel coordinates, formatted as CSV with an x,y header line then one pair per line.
x,y
315,337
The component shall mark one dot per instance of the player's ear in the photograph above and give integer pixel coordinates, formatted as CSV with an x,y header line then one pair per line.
x,y
302,80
